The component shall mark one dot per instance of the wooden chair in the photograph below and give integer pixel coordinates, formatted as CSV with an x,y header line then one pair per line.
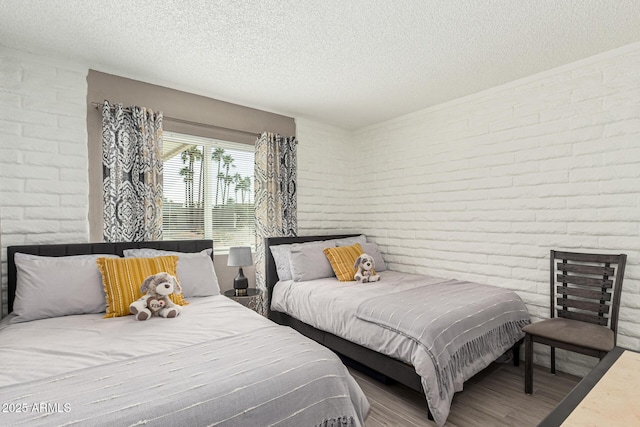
x,y
585,291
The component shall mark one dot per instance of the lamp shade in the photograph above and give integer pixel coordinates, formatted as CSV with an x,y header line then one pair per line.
x,y
239,256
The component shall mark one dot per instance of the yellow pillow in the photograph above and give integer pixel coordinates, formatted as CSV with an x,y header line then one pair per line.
x,y
342,259
122,278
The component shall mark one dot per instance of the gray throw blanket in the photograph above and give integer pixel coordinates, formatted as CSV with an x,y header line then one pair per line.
x,y
270,377
456,322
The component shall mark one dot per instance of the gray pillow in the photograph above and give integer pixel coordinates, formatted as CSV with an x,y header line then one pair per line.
x,y
195,270
373,250
348,241
281,258
368,248
308,261
57,286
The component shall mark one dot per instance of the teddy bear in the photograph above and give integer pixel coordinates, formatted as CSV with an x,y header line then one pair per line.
x,y
155,301
365,269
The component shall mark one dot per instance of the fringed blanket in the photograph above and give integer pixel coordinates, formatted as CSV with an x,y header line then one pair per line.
x,y
270,377
456,322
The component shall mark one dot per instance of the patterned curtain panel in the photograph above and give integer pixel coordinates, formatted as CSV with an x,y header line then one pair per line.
x,y
275,195
132,173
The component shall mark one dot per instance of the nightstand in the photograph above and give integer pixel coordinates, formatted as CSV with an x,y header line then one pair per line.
x,y
252,300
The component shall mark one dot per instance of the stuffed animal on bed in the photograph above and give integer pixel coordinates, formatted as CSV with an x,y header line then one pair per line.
x,y
155,301
365,269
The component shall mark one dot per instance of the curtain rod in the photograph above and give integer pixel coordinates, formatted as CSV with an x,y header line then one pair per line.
x,y
99,105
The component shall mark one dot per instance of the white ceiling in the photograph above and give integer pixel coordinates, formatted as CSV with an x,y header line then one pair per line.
x,y
348,63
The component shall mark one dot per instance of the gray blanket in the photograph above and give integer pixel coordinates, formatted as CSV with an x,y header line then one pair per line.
x,y
241,380
456,322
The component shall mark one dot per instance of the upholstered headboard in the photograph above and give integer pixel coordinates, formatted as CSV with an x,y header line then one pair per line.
x,y
93,248
271,273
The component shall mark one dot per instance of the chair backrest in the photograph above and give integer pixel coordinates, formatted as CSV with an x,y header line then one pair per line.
x,y
587,287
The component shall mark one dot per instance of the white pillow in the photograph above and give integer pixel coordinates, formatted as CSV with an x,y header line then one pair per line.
x,y
195,270
308,261
57,286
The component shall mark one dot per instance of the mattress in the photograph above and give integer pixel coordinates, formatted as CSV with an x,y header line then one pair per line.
x,y
246,368
332,306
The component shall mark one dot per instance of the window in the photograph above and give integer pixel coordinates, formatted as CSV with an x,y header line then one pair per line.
x,y
208,190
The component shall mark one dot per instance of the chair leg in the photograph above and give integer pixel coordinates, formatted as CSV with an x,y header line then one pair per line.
x,y
553,360
528,364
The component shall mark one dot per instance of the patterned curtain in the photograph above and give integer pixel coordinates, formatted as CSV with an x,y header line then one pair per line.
x,y
275,195
132,173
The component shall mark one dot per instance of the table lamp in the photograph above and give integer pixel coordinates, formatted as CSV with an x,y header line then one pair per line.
x,y
240,256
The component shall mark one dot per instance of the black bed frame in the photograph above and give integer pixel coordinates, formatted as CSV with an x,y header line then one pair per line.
x,y
384,367
93,248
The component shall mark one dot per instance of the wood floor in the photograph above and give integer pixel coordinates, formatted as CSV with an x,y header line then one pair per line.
x,y
494,397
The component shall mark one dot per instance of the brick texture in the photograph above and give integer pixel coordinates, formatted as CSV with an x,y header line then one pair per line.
x,y
324,166
43,152
481,188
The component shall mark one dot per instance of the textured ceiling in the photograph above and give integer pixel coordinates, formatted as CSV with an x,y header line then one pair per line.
x,y
349,63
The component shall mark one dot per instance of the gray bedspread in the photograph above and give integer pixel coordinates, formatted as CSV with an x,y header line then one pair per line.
x,y
456,322
240,380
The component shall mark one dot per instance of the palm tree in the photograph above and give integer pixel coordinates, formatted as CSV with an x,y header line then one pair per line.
x,y
217,157
237,180
203,175
189,157
188,184
244,186
227,163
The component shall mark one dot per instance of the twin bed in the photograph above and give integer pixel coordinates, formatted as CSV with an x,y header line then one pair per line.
x,y
428,333
218,363
222,364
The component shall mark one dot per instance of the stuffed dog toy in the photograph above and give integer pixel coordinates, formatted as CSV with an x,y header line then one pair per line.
x,y
155,301
365,269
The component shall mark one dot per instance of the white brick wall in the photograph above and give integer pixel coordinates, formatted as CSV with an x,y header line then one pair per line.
x,y
43,151
323,176
483,187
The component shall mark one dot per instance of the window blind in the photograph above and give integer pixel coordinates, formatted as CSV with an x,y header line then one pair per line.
x,y
208,190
